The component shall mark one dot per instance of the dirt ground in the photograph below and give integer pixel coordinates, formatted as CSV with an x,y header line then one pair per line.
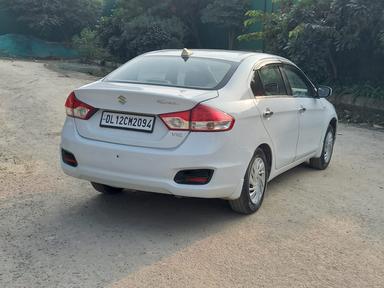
x,y
315,229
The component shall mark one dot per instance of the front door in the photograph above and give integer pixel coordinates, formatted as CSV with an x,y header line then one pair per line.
x,y
311,112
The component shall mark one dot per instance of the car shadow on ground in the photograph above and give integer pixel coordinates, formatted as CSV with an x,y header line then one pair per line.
x,y
97,238
299,172
169,210
136,209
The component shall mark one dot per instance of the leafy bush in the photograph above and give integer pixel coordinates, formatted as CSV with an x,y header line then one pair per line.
x,y
333,40
55,20
135,29
138,26
228,14
88,45
366,90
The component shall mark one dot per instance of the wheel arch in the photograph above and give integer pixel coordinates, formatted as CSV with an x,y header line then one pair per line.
x,y
268,153
333,123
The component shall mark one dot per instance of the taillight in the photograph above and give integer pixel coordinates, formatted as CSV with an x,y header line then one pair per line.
x,y
177,120
202,118
205,118
77,109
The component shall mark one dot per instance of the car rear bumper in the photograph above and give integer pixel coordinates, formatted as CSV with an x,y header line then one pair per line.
x,y
153,170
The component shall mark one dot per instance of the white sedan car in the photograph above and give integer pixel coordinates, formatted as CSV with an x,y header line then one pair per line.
x,y
201,123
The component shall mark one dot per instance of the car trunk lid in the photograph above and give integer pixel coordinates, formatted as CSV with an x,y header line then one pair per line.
x,y
147,100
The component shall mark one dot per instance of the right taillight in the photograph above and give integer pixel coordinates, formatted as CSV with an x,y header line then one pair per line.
x,y
77,109
202,118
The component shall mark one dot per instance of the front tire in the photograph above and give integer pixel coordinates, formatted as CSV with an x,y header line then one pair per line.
x,y
255,185
323,161
105,189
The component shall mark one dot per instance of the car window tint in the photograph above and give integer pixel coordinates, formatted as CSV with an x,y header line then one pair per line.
x,y
299,86
201,73
256,85
272,81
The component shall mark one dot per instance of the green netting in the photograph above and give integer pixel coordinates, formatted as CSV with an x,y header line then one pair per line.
x,y
15,45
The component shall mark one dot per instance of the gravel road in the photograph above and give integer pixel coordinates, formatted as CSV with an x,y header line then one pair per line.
x,y
315,229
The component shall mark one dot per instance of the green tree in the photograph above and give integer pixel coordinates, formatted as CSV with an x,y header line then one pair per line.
x,y
189,12
88,45
358,28
337,40
137,26
228,14
55,19
108,6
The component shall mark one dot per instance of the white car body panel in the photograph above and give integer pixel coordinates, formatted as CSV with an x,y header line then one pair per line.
x,y
282,127
127,166
310,138
150,161
142,99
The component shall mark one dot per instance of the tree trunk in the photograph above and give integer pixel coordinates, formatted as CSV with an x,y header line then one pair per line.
x,y
196,34
231,39
263,28
333,66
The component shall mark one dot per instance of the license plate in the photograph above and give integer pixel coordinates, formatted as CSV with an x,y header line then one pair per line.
x,y
127,121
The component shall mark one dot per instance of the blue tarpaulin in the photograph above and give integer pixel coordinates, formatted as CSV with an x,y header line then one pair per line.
x,y
16,45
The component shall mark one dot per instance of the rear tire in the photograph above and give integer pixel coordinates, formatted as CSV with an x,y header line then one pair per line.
x,y
323,161
255,185
105,189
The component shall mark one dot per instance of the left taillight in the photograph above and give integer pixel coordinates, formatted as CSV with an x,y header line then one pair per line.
x,y
78,109
202,118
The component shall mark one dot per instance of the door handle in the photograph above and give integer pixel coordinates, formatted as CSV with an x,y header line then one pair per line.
x,y
302,109
268,113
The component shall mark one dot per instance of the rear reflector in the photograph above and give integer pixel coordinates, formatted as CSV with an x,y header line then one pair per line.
x,y
202,118
194,177
68,158
77,109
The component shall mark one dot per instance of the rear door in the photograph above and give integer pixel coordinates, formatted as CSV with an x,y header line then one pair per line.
x,y
279,112
311,111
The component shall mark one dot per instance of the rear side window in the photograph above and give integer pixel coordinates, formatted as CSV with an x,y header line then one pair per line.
x,y
271,81
199,73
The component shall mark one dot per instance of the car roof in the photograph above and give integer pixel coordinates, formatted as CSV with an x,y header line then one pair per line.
x,y
229,55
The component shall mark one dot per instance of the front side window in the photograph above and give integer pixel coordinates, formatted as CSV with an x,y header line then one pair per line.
x,y
174,71
270,81
299,86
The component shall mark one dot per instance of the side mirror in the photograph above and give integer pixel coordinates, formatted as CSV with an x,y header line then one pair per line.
x,y
324,91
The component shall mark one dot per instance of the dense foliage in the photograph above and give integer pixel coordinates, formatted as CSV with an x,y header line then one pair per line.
x,y
136,26
227,14
126,28
337,40
55,19
88,45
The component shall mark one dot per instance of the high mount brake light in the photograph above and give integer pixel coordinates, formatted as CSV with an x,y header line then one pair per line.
x,y
202,118
77,109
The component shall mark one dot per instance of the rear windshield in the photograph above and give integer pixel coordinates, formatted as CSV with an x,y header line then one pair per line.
x,y
197,73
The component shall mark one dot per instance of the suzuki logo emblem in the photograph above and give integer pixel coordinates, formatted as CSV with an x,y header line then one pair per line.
x,y
122,99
